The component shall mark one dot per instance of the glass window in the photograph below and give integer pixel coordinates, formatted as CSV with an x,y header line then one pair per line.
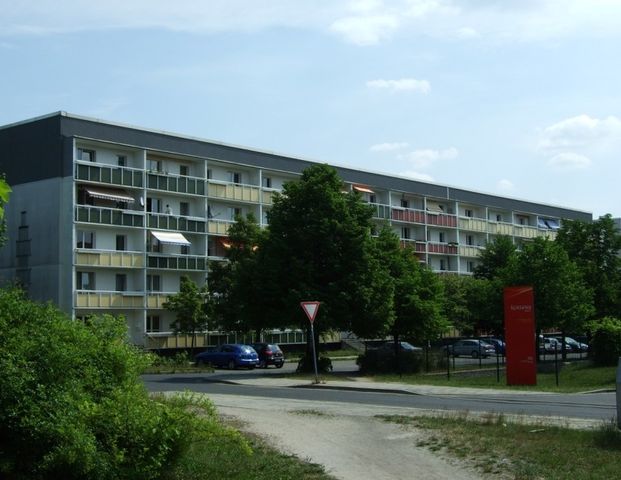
x,y
121,160
85,280
154,283
121,242
184,170
85,239
121,282
153,323
405,203
267,182
184,208
86,155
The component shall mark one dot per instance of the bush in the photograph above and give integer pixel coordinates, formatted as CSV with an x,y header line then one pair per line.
x,y
71,402
305,364
377,361
606,341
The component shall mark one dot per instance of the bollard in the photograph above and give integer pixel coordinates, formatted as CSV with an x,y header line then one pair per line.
x,y
619,393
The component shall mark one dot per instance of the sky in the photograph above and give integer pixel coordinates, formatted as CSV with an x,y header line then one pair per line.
x,y
519,98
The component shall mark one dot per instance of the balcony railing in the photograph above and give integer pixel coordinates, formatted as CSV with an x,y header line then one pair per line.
x,y
164,221
268,196
156,300
109,174
107,299
233,191
524,231
470,251
176,262
443,248
500,228
109,258
380,211
219,227
442,220
473,224
108,216
174,183
417,245
408,215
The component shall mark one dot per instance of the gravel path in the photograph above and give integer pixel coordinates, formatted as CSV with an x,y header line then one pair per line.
x,y
348,440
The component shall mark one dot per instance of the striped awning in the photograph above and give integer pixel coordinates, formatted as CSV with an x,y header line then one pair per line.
x,y
171,238
110,194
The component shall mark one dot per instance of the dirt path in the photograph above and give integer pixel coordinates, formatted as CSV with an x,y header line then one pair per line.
x,y
350,441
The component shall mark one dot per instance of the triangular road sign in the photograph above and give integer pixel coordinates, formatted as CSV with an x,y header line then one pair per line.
x,y
310,308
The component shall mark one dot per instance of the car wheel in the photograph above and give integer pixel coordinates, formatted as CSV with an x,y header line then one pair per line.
x,y
232,365
475,354
279,365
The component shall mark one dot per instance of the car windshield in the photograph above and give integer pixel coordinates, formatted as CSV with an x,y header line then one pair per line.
x,y
246,349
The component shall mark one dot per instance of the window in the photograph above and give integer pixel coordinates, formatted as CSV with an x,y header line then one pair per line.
x,y
184,209
23,218
121,243
154,205
470,267
85,280
442,264
499,218
86,155
184,170
121,160
372,199
468,212
153,323
441,237
235,177
469,240
154,165
121,282
85,239
185,249
234,212
209,173
154,283
267,182
405,232
405,203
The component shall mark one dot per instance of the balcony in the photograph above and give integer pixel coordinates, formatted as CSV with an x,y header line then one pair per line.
x,y
109,258
176,262
473,224
219,227
267,196
233,191
177,184
524,231
442,220
380,211
408,215
159,221
109,174
470,251
156,300
442,248
106,299
108,216
499,228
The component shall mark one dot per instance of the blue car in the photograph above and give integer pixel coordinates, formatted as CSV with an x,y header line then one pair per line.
x,y
231,355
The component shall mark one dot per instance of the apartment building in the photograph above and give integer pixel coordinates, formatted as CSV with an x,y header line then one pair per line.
x,y
106,218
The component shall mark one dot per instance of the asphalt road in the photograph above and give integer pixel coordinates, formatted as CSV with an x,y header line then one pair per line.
x,y
592,406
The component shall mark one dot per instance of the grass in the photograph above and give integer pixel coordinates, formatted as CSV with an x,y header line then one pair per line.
x,y
574,377
216,449
524,452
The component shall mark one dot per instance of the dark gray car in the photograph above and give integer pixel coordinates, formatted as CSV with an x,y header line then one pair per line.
x,y
471,348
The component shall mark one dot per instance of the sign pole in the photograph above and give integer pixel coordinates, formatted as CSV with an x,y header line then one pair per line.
x,y
310,308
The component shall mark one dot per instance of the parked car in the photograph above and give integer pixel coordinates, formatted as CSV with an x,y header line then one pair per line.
x,y
231,355
575,345
389,347
549,345
498,344
472,348
269,354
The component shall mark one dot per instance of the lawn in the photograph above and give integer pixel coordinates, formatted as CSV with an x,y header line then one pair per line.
x,y
522,451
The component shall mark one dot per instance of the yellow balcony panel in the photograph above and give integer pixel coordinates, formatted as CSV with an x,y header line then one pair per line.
x,y
473,224
110,259
156,300
551,234
467,251
268,197
230,191
501,228
524,232
96,299
218,228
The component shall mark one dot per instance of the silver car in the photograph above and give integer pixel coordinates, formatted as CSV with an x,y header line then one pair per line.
x,y
472,348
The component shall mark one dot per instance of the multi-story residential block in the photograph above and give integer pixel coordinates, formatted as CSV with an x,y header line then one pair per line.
x,y
106,218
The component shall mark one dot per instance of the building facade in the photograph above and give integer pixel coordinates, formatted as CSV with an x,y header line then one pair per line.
x,y
106,218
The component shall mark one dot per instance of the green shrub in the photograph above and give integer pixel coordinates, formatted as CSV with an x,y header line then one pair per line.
x,y
377,361
71,402
305,364
606,341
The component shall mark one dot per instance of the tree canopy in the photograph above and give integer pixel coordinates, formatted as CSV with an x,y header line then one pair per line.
x,y
190,308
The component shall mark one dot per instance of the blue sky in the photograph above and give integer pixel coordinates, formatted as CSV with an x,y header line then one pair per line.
x,y
518,98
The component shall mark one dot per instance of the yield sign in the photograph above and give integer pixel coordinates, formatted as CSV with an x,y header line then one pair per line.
x,y
310,308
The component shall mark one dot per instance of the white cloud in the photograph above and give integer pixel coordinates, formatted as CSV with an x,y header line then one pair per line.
x,y
366,30
403,84
426,157
580,131
505,185
467,32
389,147
569,161
417,176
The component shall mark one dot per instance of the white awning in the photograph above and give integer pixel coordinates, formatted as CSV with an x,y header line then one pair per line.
x,y
110,194
360,188
171,238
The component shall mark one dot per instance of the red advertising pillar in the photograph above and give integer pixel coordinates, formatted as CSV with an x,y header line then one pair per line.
x,y
520,336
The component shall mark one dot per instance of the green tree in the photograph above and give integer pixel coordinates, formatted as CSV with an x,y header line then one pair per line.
x,y
5,192
496,258
191,308
594,247
562,299
319,248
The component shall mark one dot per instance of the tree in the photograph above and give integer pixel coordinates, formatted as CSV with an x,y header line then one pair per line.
x,y
594,247
495,258
319,248
190,307
562,300
235,285
5,191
